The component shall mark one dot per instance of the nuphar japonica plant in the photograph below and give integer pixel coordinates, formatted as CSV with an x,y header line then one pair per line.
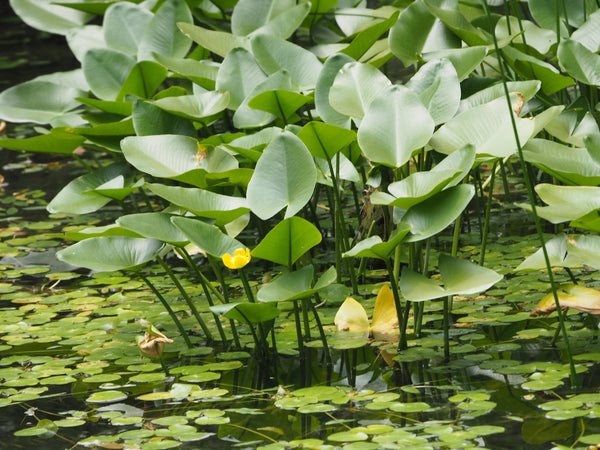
x,y
327,137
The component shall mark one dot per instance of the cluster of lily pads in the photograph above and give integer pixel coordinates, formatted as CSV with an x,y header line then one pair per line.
x,y
285,132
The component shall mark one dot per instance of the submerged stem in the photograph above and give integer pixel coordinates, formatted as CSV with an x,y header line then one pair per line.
x,y
164,302
187,298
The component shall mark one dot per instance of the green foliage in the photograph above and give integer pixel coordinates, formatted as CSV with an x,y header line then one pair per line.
x,y
261,121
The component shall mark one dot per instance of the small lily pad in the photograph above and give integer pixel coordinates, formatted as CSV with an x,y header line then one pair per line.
x,y
107,397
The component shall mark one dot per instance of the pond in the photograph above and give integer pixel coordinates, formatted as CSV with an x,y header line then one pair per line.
x,y
72,373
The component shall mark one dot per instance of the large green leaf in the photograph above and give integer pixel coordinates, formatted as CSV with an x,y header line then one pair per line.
x,y
573,166
374,247
57,141
106,254
239,74
143,80
106,70
541,39
247,312
155,225
162,36
148,154
288,241
395,124
463,59
368,36
324,140
579,62
526,88
275,17
354,87
246,117
123,26
84,38
150,120
408,37
550,14
589,33
459,277
202,73
73,199
557,253
46,15
343,169
274,54
586,249
295,285
418,187
37,101
222,208
196,107
326,79
453,18
206,237
285,176
570,127
530,67
488,127
565,203
281,103
434,214
218,42
437,86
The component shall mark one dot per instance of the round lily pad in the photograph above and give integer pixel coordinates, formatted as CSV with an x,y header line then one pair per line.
x,y
107,397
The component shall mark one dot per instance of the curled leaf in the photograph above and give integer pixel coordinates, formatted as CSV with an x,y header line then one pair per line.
x,y
572,296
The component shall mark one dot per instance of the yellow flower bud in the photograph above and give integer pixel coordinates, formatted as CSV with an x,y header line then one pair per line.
x,y
240,258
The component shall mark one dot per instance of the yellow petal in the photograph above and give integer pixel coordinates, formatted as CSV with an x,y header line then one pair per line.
x,y
228,261
351,316
384,325
240,257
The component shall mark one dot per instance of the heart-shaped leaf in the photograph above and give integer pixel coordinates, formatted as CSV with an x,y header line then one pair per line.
x,y
288,241
354,87
436,213
123,26
105,254
247,312
207,237
395,124
374,247
274,54
285,176
154,226
436,84
459,277
72,198
295,285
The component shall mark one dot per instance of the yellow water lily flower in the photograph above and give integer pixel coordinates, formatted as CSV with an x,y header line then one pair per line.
x,y
384,326
153,342
240,258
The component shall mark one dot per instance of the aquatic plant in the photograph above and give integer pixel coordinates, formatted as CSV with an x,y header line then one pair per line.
x,y
237,125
